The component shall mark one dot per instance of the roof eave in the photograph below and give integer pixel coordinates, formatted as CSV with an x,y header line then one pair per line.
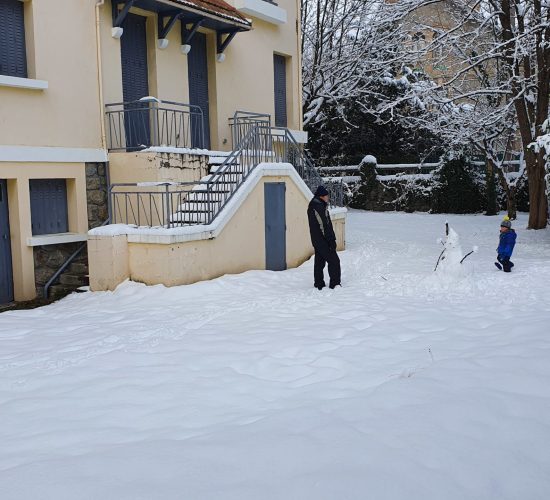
x,y
242,25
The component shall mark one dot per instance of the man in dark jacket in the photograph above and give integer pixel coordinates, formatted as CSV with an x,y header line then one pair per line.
x,y
323,239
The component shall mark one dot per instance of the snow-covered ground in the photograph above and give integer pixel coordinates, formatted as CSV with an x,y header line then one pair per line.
x,y
404,384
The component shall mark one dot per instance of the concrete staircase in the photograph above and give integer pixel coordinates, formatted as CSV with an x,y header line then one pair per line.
x,y
74,279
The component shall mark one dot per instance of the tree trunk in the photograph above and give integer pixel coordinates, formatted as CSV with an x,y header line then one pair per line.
x,y
538,202
511,202
491,192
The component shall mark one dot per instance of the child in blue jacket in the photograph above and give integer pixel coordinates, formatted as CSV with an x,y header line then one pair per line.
x,y
506,246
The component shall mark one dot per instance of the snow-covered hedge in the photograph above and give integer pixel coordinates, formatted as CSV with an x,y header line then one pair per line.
x,y
456,186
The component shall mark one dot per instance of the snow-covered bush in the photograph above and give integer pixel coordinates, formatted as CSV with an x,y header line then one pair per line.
x,y
458,187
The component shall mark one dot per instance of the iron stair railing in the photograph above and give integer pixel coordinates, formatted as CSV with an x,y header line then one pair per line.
x,y
241,123
296,155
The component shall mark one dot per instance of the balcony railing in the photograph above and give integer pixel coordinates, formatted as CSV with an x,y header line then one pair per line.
x,y
137,125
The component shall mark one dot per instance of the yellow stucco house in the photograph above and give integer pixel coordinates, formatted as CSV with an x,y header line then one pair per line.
x,y
148,115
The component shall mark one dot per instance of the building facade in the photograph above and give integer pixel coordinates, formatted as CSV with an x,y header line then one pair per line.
x,y
86,86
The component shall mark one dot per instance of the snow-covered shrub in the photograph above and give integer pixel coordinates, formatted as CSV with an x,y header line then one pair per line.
x,y
458,187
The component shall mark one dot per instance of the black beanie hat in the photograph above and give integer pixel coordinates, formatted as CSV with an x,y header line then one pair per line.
x,y
321,191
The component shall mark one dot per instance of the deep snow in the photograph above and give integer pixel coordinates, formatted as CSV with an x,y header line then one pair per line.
x,y
403,384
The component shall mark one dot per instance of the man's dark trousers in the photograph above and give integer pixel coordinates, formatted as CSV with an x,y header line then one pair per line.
x,y
322,257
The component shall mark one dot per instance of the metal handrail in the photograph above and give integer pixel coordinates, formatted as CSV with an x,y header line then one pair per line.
x,y
242,121
149,122
255,148
305,166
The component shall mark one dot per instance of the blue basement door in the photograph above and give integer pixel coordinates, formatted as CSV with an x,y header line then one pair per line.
x,y
197,67
6,277
275,225
135,81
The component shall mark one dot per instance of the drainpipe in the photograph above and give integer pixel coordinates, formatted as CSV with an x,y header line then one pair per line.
x,y
299,63
100,3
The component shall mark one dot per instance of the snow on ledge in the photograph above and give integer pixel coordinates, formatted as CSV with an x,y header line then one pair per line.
x,y
184,151
338,213
164,236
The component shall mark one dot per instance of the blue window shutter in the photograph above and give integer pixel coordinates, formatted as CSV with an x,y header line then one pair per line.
x,y
49,214
13,57
279,67
135,81
197,69
133,47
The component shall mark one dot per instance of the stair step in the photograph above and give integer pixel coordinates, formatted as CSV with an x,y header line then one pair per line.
x,y
189,210
75,280
219,194
189,217
57,292
219,183
78,268
218,160
197,207
215,191
232,168
231,173
204,208
204,198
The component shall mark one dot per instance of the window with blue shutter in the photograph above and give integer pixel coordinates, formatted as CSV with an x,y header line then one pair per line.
x,y
13,56
49,214
279,67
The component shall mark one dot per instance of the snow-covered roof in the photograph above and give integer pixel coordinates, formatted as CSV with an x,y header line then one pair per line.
x,y
217,7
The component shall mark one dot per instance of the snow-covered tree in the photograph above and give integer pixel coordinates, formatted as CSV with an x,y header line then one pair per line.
x,y
347,45
351,50
475,73
495,86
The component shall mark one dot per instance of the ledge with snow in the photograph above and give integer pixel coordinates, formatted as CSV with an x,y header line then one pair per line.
x,y
235,242
262,9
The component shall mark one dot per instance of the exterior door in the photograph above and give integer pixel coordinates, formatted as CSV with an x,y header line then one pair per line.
x,y
135,81
6,276
275,226
197,66
279,72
